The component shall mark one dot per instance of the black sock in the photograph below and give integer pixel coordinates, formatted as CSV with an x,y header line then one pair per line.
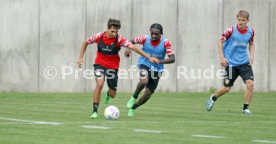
x,y
95,107
214,98
245,106
135,95
143,99
107,93
134,106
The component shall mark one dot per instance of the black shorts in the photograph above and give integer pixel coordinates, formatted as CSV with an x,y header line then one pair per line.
x,y
110,74
153,77
232,73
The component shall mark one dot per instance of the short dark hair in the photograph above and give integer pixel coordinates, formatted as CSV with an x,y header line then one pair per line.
x,y
114,23
157,26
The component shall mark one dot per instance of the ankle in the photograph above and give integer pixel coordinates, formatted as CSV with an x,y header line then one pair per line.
x,y
214,97
245,106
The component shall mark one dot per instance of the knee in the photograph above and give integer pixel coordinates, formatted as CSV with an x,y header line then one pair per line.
x,y
250,84
100,84
144,81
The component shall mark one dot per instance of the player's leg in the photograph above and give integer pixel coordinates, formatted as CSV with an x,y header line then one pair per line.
x,y
150,88
111,92
221,91
231,74
112,81
146,96
100,78
144,79
140,86
248,93
246,73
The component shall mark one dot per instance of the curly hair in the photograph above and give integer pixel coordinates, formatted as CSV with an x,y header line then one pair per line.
x,y
157,26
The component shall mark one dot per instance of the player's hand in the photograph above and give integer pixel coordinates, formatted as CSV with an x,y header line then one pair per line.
x,y
251,60
223,62
80,62
154,60
127,53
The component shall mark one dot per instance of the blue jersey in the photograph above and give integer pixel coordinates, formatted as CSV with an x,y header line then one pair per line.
x,y
158,51
235,47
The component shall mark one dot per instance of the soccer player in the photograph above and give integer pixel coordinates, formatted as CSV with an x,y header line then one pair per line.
x,y
233,51
156,45
107,60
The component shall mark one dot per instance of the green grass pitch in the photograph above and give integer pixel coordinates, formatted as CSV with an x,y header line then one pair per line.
x,y
167,118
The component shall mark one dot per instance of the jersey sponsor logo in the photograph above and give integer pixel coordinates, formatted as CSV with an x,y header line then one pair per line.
x,y
106,49
156,55
237,44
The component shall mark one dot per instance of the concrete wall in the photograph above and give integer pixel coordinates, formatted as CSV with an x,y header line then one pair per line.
x,y
199,27
19,42
271,48
36,34
61,33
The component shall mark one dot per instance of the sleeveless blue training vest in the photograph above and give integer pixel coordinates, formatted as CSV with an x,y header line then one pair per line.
x,y
235,48
158,51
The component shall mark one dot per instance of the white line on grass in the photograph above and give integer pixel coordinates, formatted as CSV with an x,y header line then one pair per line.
x,y
264,141
120,122
24,121
13,123
115,122
226,122
207,136
147,131
30,121
96,127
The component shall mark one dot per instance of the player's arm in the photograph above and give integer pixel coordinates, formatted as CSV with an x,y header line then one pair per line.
x,y
82,51
137,40
223,61
251,48
251,52
124,42
169,60
84,45
133,41
128,51
225,36
142,53
169,52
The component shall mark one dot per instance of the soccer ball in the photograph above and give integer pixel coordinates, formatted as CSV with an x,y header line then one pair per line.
x,y
111,113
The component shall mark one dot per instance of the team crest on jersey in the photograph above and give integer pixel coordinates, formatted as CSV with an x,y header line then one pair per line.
x,y
143,72
226,81
98,73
